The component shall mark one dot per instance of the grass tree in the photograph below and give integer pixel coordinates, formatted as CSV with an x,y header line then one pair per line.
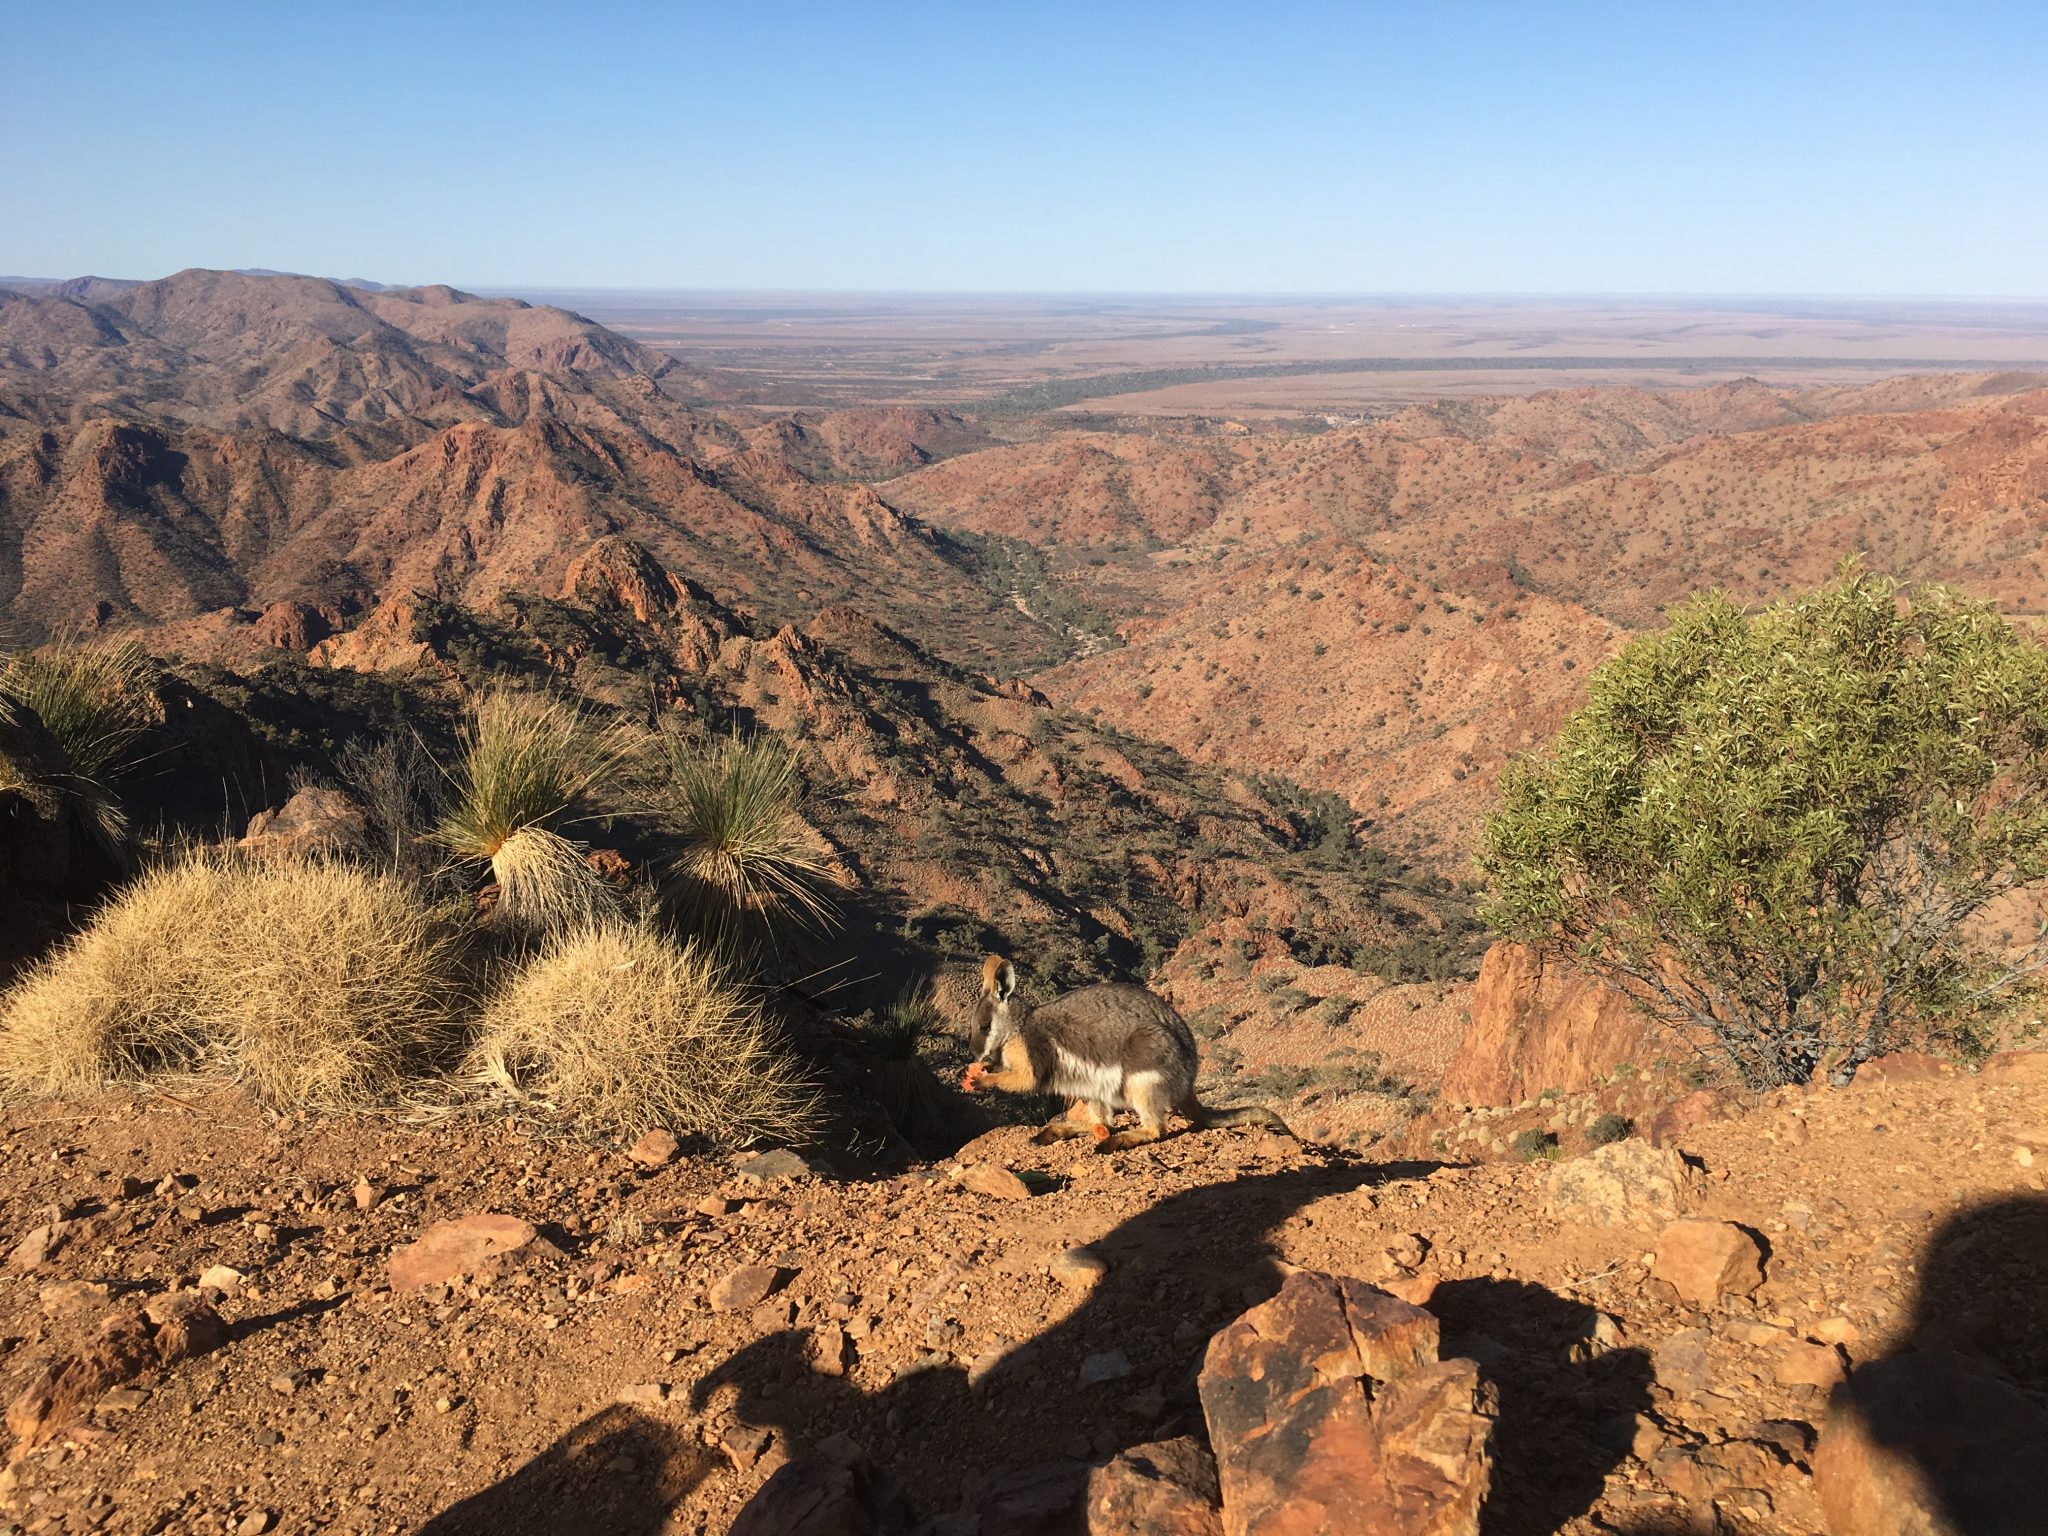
x,y
1783,831
531,765
750,865
97,702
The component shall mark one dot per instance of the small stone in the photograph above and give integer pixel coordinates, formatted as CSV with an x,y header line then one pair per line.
x,y
1837,1330
776,1313
366,1195
745,1444
994,1181
286,1382
122,1399
829,1351
256,1524
714,1206
444,1405
1680,1362
1809,1365
267,1437
1105,1365
73,1296
1416,1290
644,1394
34,1250
655,1149
2024,1156
746,1287
223,1278
1078,1268
840,1448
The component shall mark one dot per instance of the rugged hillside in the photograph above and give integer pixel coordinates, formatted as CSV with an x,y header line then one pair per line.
x,y
213,445
1391,610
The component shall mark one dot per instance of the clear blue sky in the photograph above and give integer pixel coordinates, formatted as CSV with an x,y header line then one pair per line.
x,y
1790,147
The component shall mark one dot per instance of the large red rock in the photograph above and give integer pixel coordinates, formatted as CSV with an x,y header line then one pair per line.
x,y
1931,1443
314,820
1537,1024
1330,1415
812,1497
448,1250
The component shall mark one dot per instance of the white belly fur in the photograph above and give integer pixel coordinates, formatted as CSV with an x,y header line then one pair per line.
x,y
1097,1082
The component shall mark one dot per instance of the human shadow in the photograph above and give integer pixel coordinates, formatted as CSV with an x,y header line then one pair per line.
x,y
1961,1398
1014,1438
618,1472
1567,1403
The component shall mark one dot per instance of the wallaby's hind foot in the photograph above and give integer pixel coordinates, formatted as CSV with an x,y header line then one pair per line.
x,y
1084,1119
1138,1136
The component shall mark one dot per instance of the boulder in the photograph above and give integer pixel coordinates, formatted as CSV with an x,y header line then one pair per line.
x,y
1331,1415
63,1391
1538,1024
448,1250
1625,1183
1706,1260
1167,1488
313,821
1931,1443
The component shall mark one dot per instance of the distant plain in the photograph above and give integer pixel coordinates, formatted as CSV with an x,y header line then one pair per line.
x,y
1286,356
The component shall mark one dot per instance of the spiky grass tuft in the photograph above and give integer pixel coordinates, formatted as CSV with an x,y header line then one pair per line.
x,y
530,764
319,985
614,1028
750,862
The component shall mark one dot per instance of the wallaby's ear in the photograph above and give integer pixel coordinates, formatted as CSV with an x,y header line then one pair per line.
x,y
1002,978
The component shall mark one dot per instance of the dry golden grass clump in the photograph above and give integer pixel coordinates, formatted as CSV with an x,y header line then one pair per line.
x,y
615,1028
531,763
319,985
96,702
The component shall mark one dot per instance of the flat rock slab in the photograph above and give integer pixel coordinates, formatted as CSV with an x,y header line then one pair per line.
x,y
448,1250
996,1182
772,1167
746,1287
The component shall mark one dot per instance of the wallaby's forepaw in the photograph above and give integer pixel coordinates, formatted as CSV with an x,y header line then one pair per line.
x,y
971,1078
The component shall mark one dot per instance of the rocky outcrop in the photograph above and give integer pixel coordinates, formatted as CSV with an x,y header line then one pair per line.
x,y
1626,1183
1537,1024
1331,1415
1167,1488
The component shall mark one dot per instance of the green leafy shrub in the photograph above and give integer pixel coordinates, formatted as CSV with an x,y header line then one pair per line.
x,y
1774,830
1608,1128
1533,1144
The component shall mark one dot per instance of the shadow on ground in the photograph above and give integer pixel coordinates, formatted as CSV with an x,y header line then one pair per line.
x,y
617,1472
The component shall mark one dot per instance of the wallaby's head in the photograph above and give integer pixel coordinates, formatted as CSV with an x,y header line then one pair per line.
x,y
994,1014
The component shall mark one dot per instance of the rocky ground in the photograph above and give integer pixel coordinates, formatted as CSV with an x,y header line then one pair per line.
x,y
658,1335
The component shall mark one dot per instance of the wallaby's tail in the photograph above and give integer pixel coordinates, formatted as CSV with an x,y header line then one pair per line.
x,y
1250,1114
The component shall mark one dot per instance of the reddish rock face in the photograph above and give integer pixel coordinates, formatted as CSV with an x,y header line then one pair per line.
x,y
64,1391
1330,1415
314,820
1537,1025
1931,1443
